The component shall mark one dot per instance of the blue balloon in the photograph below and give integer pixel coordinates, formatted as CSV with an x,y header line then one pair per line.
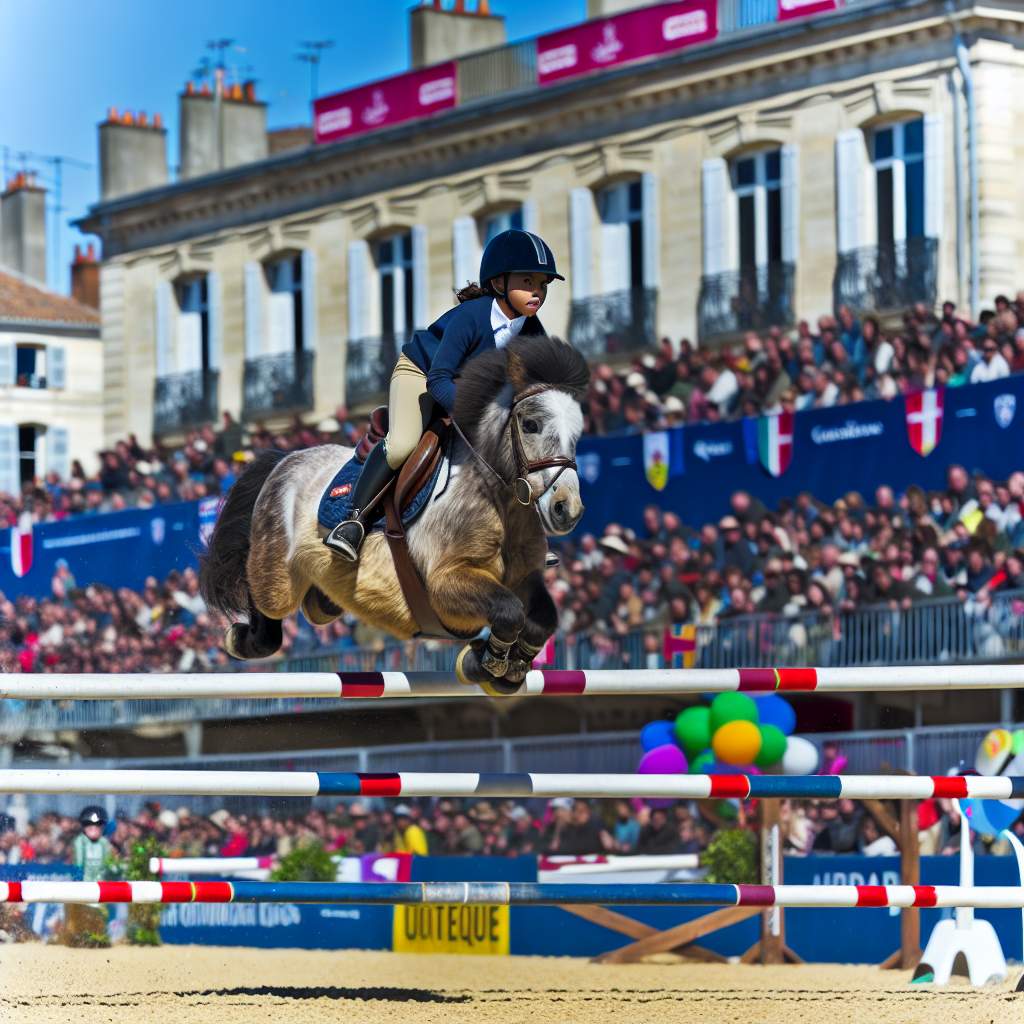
x,y
656,734
989,817
778,712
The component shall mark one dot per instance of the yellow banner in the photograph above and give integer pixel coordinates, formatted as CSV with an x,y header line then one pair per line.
x,y
476,930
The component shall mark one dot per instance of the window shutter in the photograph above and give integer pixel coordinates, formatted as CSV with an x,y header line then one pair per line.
x,y
465,250
281,309
530,216
934,159
58,456
10,475
358,261
651,237
8,365
849,181
56,366
790,204
715,195
253,310
309,301
215,319
581,217
163,328
616,272
420,282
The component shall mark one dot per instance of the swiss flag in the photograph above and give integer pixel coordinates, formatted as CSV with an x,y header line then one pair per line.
x,y
924,411
21,546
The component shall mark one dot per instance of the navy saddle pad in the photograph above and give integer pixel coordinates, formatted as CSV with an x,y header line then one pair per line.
x,y
336,501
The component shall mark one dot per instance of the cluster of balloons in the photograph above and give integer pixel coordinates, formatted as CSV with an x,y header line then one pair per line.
x,y
1001,753
735,733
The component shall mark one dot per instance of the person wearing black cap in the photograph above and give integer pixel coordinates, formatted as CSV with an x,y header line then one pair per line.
x,y
86,925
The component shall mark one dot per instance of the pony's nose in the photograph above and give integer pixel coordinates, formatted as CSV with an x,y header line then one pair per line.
x,y
566,513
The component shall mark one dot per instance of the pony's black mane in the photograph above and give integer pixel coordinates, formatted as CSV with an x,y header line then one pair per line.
x,y
537,358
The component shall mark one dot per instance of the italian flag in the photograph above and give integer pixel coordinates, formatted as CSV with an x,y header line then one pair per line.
x,y
775,442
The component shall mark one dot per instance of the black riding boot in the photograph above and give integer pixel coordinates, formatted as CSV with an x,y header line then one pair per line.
x,y
347,537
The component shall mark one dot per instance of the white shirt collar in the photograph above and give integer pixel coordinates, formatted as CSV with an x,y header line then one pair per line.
x,y
502,325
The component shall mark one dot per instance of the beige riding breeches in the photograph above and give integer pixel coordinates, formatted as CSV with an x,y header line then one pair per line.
x,y
409,411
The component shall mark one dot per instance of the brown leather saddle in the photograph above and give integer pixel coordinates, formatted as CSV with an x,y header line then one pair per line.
x,y
395,498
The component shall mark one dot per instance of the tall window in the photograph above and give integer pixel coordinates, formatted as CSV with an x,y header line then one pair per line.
x,y
506,220
395,267
621,209
28,436
193,324
899,164
757,184
284,279
30,368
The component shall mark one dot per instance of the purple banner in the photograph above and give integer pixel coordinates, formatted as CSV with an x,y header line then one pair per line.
x,y
608,42
792,9
391,101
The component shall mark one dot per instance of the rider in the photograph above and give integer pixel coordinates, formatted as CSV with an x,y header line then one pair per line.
x,y
515,271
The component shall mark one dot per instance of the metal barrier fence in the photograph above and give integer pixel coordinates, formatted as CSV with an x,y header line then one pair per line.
x,y
927,751
949,631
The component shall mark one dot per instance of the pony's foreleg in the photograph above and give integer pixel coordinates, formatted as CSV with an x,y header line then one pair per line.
x,y
460,593
541,622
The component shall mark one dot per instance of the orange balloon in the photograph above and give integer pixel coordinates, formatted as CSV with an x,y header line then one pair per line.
x,y
737,742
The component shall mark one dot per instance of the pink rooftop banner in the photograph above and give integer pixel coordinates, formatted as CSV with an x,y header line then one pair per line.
x,y
406,97
608,42
792,9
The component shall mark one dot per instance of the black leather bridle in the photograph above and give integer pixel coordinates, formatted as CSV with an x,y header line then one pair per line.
x,y
524,466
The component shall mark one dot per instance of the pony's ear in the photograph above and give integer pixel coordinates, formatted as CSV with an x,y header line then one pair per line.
x,y
515,368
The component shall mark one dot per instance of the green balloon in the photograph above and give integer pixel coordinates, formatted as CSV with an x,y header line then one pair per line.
x,y
693,730
773,746
732,707
1017,742
699,764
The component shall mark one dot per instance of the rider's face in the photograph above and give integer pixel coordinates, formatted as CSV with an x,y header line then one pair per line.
x,y
526,293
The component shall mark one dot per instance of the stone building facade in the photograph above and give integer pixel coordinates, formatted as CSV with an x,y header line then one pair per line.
x,y
783,169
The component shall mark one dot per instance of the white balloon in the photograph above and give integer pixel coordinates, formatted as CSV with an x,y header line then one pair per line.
x,y
800,758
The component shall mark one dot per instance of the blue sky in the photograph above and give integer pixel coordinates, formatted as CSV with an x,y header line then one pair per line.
x,y
64,62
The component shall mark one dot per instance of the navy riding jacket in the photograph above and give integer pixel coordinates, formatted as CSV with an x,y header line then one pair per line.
x,y
451,340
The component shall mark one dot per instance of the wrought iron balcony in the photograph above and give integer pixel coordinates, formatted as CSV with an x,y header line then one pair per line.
x,y
368,366
751,299
278,384
183,400
605,325
888,277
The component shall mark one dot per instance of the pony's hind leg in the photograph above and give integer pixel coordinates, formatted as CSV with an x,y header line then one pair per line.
x,y
260,637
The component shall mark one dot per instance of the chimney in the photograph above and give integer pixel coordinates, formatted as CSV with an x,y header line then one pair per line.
x,y
85,277
438,35
133,153
23,227
242,138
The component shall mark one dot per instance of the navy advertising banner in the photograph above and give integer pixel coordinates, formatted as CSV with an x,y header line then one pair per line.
x,y
691,470
909,440
119,549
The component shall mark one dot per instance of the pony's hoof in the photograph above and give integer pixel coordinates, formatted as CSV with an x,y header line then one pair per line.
x,y
470,672
233,638
318,608
517,669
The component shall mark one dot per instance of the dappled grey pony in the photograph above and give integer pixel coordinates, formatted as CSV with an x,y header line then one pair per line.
x,y
479,545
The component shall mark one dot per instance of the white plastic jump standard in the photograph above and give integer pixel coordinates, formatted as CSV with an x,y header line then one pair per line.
x,y
548,683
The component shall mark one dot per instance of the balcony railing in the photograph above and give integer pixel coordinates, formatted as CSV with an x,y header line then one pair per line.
x,y
278,384
368,366
183,400
888,277
751,299
618,322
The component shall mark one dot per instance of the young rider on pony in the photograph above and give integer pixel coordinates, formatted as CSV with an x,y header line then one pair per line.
x,y
515,271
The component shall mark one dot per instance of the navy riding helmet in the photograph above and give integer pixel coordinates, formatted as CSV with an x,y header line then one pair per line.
x,y
517,252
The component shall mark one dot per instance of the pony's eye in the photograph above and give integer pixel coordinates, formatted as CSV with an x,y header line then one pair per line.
x,y
531,426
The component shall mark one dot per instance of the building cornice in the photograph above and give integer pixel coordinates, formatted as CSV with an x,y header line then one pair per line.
x,y
672,93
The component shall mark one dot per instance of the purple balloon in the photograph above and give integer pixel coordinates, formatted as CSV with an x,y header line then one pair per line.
x,y
667,759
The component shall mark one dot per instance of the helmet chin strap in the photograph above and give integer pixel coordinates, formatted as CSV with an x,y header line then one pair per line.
x,y
504,295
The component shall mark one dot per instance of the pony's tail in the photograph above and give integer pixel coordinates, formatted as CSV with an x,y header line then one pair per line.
x,y
222,579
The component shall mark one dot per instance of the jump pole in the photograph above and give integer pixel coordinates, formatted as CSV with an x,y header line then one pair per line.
x,y
524,785
547,683
517,894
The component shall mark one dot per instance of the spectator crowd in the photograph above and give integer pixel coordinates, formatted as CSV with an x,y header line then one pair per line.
x,y
561,827
842,359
